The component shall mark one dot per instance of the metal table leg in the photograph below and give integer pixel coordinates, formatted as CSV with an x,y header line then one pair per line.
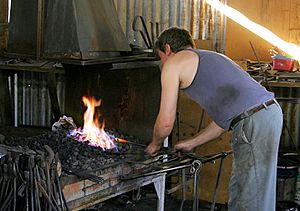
x,y
196,167
160,191
183,178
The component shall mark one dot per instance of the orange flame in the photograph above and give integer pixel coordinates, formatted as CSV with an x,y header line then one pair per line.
x,y
92,131
290,48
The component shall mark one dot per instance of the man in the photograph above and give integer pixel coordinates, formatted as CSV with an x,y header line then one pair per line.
x,y
235,102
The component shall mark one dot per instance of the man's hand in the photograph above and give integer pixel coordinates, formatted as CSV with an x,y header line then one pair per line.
x,y
152,148
185,146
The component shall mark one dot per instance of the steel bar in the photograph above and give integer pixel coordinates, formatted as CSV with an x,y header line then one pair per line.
x,y
154,172
212,208
196,167
47,197
7,201
183,181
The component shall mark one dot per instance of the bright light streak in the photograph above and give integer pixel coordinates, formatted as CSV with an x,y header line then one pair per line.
x,y
290,48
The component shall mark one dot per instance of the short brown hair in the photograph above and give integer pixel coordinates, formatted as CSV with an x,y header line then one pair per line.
x,y
177,38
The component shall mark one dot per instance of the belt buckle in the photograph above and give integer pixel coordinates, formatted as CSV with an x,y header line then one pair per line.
x,y
265,106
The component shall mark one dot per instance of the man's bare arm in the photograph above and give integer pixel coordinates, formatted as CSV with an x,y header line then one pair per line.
x,y
168,105
211,132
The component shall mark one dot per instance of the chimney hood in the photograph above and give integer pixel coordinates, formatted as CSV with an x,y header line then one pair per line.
x,y
72,29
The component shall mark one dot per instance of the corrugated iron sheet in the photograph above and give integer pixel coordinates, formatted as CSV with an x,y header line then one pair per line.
x,y
196,16
32,103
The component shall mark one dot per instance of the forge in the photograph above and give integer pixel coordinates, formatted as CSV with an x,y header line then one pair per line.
x,y
88,175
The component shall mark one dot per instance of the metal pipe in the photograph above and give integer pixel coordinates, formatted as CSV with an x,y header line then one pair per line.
x,y
217,185
196,167
155,172
183,180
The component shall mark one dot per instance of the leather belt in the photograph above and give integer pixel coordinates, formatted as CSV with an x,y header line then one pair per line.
x,y
251,112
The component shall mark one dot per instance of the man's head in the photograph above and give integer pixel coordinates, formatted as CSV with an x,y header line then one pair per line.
x,y
177,38
172,41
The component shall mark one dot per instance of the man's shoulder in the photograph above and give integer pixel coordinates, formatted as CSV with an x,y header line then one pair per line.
x,y
185,56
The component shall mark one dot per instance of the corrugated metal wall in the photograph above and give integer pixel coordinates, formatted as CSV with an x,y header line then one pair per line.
x,y
31,101
199,18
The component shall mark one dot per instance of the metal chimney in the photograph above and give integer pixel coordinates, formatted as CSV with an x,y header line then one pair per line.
x,y
76,29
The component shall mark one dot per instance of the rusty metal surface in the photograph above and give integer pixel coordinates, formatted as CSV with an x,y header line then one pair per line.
x,y
22,31
83,26
65,29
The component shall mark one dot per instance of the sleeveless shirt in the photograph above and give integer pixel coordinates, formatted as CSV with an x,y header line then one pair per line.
x,y
223,89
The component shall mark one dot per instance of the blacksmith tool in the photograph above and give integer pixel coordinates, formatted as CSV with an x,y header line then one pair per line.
x,y
83,175
3,153
146,38
37,191
120,140
49,160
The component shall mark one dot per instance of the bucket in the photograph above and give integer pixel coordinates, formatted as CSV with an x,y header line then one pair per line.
x,y
287,171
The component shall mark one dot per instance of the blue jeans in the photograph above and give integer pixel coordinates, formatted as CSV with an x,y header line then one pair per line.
x,y
255,142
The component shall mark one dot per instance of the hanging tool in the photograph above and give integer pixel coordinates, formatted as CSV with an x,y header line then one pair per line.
x,y
146,38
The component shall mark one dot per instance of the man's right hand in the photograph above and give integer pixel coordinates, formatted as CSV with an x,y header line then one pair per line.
x,y
185,146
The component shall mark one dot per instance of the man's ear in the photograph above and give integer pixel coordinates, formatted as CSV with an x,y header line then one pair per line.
x,y
168,50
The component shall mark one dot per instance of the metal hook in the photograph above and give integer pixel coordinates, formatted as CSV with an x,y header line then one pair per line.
x,y
146,38
195,169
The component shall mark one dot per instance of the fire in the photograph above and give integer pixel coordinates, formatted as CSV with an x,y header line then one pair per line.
x,y
290,48
93,131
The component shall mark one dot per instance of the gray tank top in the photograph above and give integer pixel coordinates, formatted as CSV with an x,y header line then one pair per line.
x,y
223,89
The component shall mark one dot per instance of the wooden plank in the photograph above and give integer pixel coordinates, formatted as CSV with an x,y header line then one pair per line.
x,y
276,17
295,15
295,36
294,32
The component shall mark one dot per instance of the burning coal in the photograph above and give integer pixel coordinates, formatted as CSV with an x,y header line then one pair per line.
x,y
93,131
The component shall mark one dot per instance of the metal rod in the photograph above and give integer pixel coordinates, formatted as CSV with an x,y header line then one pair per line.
x,y
196,166
217,185
155,172
183,180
